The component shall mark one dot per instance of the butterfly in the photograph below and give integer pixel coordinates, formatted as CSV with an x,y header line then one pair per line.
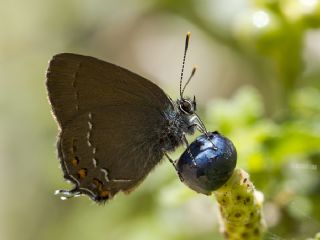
x,y
115,126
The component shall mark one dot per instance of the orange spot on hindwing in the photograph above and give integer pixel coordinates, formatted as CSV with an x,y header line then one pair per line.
x,y
75,161
82,173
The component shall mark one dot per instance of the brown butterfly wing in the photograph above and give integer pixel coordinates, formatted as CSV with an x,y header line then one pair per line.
x,y
110,149
79,83
111,122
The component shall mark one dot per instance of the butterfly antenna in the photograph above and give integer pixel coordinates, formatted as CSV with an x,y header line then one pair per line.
x,y
191,75
183,62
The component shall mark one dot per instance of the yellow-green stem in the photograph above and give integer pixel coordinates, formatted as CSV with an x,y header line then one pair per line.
x,y
240,207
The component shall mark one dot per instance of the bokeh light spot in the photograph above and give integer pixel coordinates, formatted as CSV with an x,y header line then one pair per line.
x,y
260,19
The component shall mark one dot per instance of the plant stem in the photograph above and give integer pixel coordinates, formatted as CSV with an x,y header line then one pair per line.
x,y
240,208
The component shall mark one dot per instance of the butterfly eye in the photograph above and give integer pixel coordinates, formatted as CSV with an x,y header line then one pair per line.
x,y
186,107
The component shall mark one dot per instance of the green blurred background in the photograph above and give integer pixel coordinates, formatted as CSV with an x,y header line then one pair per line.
x,y
257,83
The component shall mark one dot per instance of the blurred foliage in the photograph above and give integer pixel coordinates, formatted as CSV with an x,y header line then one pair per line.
x,y
282,158
317,237
267,50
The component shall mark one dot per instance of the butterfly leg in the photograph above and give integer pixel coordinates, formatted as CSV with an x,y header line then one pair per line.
x,y
170,160
203,131
174,165
184,139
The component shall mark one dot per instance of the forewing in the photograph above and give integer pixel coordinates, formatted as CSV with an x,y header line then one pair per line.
x,y
76,84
